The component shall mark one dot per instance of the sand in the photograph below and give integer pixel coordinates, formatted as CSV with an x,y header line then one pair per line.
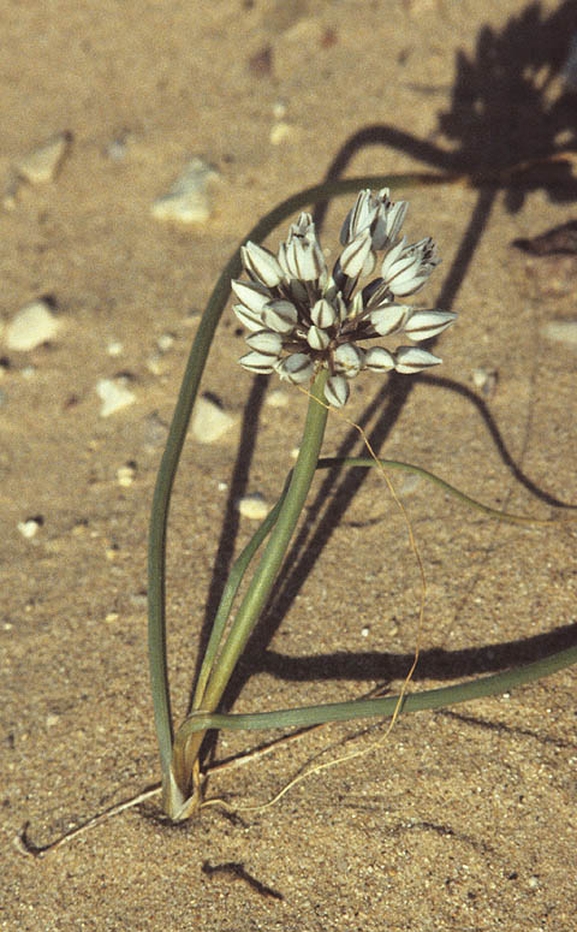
x,y
460,820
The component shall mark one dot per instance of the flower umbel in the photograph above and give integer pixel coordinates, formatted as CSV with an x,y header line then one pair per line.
x,y
302,318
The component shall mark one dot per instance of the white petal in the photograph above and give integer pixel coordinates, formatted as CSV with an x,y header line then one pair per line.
x,y
406,268
356,306
423,325
266,342
389,222
281,316
413,359
337,391
296,368
317,338
357,256
349,360
257,362
390,318
301,257
261,264
359,217
249,319
251,294
378,359
323,314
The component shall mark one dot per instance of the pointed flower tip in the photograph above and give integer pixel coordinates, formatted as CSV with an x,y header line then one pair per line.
x,y
410,359
424,325
261,265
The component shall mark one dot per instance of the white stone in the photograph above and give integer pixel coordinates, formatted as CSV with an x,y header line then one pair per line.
x,y
277,398
280,131
485,380
253,507
188,200
29,528
126,475
410,483
561,331
114,395
115,348
33,325
210,422
41,164
165,342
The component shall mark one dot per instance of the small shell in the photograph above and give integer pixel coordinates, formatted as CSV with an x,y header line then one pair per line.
x,y
188,200
42,163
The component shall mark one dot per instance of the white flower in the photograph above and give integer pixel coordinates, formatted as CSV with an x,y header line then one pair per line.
x,y
405,269
302,318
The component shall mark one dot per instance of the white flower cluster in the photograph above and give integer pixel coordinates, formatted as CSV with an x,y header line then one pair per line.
x,y
302,318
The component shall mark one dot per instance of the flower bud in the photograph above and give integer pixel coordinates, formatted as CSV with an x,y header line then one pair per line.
x,y
296,368
323,314
261,265
378,359
318,339
349,360
281,316
267,342
257,363
423,325
409,359
389,318
337,391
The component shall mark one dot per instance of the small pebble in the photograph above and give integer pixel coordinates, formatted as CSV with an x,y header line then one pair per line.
x,y
126,475
155,433
165,342
33,325
410,483
30,527
485,380
210,422
253,507
114,395
561,331
42,163
154,361
115,348
277,398
279,109
188,200
280,131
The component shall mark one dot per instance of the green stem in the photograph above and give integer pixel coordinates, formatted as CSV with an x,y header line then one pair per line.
x,y
186,752
231,587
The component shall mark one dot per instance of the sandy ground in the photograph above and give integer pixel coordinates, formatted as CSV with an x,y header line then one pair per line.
x,y
462,820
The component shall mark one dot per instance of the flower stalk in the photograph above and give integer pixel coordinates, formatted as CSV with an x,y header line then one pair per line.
x,y
186,750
